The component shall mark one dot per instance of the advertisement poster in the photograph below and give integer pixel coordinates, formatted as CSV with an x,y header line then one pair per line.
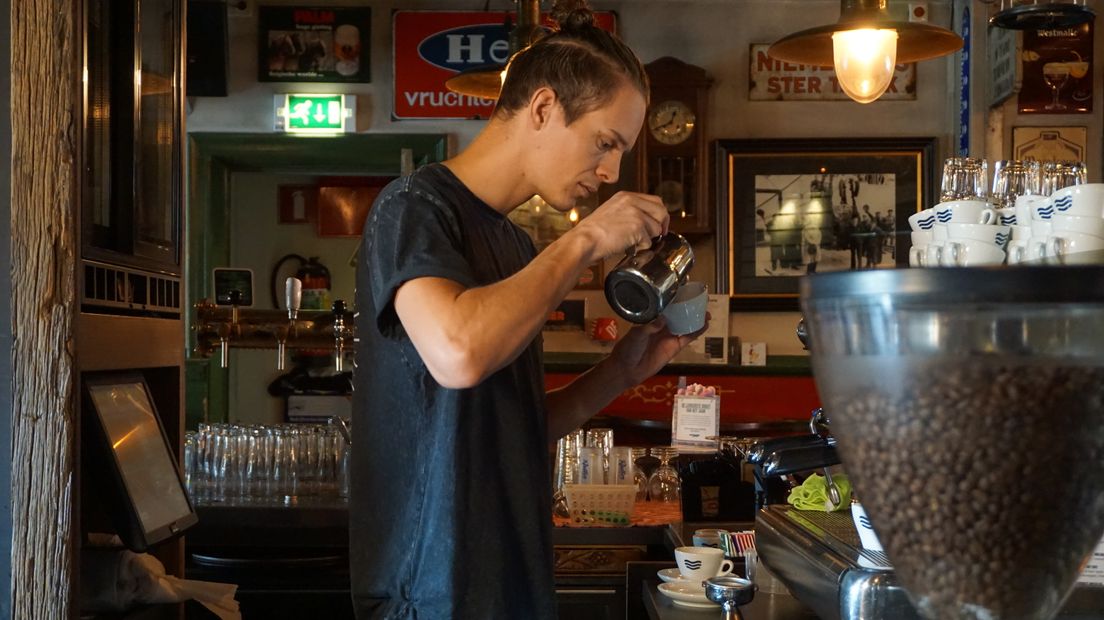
x,y
1050,143
313,44
432,46
775,80
1057,70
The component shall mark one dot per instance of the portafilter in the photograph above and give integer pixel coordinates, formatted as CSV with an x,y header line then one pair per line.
x,y
644,282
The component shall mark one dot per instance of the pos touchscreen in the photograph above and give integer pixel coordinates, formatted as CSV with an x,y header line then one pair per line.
x,y
132,460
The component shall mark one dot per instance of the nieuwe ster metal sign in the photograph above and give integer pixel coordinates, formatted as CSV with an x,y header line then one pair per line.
x,y
775,80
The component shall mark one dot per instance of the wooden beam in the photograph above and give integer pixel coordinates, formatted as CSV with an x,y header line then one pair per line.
x,y
44,141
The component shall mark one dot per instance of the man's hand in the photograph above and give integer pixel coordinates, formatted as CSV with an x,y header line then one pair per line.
x,y
626,220
648,348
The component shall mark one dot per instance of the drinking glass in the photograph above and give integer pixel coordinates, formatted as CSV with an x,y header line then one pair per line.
x,y
1056,74
1059,174
663,486
190,470
1012,178
640,479
963,178
601,438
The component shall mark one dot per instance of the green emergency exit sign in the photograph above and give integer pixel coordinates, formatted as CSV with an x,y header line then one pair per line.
x,y
312,113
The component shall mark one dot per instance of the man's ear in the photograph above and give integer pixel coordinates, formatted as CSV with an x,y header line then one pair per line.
x,y
541,107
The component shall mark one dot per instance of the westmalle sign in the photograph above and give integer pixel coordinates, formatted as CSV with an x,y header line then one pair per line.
x,y
774,80
432,46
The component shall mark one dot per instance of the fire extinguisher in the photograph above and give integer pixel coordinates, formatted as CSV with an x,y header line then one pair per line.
x,y
316,282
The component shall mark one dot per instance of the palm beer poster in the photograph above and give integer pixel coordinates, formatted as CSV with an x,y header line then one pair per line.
x,y
1057,70
432,46
314,44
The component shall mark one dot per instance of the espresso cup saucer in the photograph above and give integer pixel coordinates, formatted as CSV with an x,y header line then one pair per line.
x,y
671,575
687,594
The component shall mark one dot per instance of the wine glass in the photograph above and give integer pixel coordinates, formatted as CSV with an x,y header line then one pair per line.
x,y
640,479
663,486
1056,74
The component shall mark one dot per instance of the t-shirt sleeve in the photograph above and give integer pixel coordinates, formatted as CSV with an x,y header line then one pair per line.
x,y
410,236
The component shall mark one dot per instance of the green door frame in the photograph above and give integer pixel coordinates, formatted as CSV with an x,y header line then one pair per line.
x,y
213,158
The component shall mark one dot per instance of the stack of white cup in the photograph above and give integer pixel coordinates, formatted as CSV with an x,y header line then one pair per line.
x,y
1065,228
960,233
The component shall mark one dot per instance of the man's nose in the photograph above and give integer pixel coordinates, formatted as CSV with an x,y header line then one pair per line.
x,y
609,168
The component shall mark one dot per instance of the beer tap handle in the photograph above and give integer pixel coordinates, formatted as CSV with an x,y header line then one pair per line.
x,y
281,346
235,302
294,297
224,330
339,335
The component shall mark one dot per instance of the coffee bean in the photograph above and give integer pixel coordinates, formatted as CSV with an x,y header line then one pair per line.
x,y
985,483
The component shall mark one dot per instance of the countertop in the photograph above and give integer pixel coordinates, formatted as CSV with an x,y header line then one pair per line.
x,y
762,607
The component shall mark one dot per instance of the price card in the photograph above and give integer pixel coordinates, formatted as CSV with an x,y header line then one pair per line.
x,y
695,419
1093,574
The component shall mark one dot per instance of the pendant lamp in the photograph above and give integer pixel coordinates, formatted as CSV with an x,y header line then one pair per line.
x,y
864,46
486,80
1041,15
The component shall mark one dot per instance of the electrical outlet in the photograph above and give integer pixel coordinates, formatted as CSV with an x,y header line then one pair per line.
x,y
918,11
241,8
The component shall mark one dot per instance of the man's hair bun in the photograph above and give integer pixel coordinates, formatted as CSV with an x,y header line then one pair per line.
x,y
572,15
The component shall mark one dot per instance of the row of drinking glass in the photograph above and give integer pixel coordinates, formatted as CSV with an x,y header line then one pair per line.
x,y
967,178
1064,228
589,457
240,461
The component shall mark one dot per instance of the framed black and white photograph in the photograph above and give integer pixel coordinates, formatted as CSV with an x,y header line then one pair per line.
x,y
793,207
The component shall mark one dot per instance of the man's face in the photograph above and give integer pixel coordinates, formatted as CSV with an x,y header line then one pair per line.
x,y
573,160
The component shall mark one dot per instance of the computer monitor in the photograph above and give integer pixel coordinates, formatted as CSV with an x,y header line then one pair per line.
x,y
132,461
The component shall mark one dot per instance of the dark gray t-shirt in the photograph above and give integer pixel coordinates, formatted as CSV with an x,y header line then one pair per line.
x,y
450,513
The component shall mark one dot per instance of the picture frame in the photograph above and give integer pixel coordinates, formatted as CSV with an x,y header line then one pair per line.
x,y
314,44
790,207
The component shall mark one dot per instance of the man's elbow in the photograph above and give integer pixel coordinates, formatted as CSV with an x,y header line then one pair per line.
x,y
456,367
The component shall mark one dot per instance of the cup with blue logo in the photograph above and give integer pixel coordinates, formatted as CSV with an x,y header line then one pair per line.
x,y
696,564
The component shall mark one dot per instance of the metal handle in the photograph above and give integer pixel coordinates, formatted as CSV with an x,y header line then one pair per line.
x,y
293,294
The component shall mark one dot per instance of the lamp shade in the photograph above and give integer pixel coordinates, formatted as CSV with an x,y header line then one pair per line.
x,y
486,80
915,41
483,81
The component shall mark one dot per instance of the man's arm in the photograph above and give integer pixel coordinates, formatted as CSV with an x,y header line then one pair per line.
x,y
637,356
466,334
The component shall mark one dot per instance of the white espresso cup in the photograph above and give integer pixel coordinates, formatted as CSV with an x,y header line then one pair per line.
x,y
922,220
1072,248
1042,210
1083,224
1022,231
1023,207
1018,251
966,212
971,253
996,235
700,563
918,251
1087,199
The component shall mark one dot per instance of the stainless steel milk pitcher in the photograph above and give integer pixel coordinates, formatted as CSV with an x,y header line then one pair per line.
x,y
644,282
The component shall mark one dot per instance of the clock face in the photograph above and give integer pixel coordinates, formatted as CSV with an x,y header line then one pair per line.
x,y
671,122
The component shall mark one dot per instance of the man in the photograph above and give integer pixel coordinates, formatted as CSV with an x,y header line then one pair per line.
x,y
451,500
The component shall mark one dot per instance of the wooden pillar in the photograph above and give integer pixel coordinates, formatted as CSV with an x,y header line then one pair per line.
x,y
45,130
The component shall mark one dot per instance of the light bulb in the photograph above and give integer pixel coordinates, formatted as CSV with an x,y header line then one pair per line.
x,y
864,60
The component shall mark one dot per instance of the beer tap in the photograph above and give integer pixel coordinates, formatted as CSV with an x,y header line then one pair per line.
x,y
226,330
340,333
294,297
281,346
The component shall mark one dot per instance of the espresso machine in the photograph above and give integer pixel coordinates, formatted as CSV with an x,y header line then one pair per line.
x,y
818,555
